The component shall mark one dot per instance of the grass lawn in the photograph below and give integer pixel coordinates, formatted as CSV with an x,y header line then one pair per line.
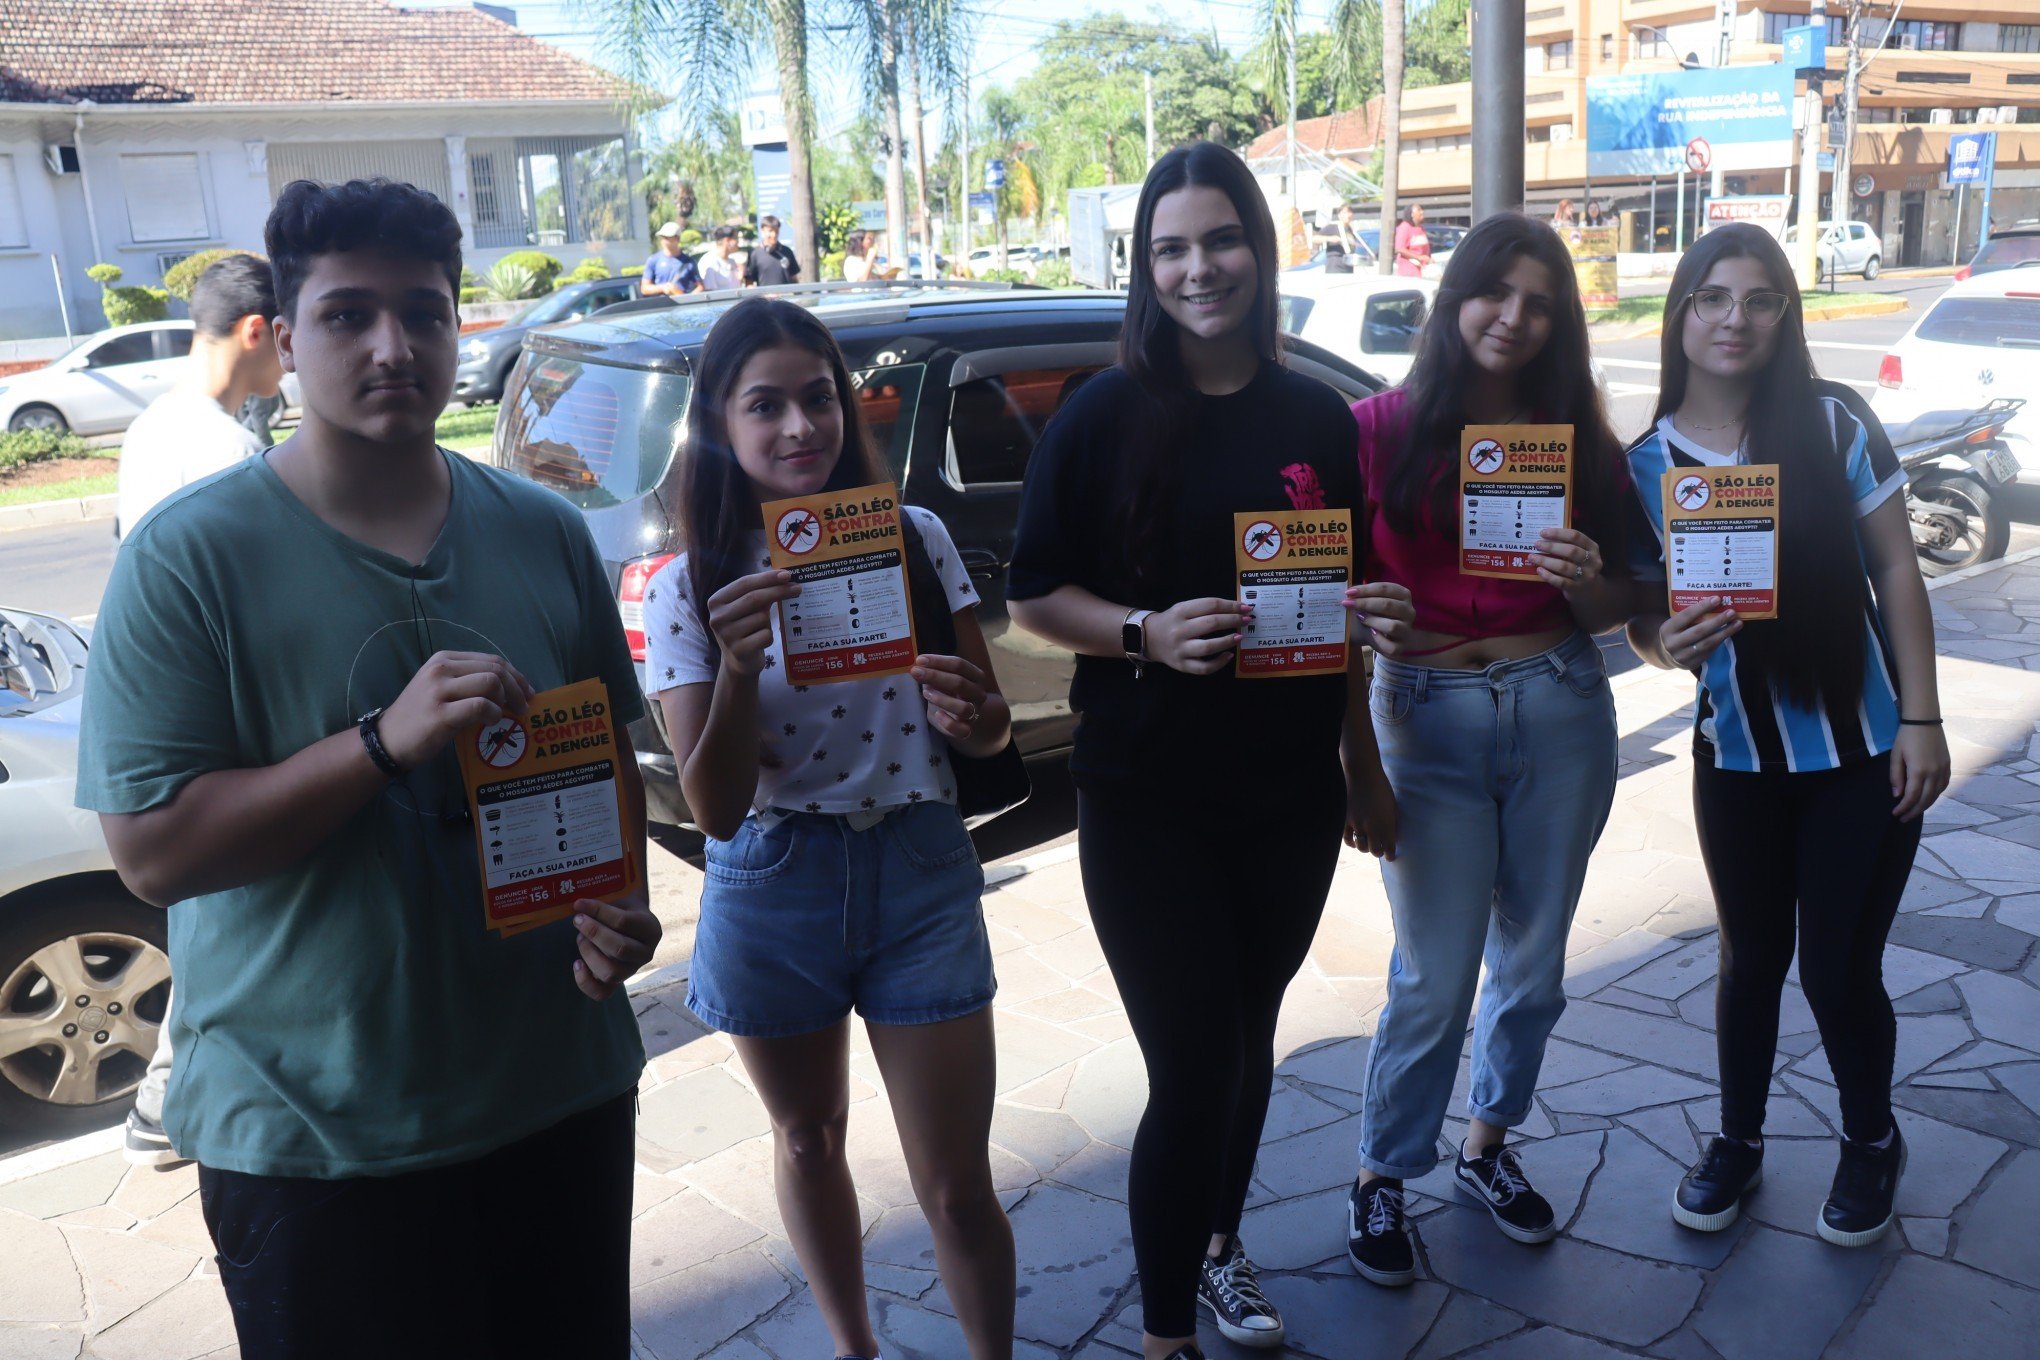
x,y
27,491
1652,306
466,429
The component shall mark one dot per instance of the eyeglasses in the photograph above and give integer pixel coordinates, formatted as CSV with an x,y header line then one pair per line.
x,y
1716,305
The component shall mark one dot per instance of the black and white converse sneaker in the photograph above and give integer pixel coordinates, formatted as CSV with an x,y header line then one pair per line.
x,y
1189,1350
145,1144
1710,1195
1377,1240
1228,1290
1496,1178
1858,1209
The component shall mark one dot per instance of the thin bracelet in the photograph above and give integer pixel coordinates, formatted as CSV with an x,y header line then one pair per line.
x,y
1919,722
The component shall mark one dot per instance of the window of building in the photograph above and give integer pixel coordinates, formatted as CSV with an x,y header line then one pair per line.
x,y
1920,35
13,222
1649,42
1558,56
547,191
165,201
995,421
2019,37
1607,47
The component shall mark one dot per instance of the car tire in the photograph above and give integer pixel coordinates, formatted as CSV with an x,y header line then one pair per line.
x,y
111,936
1870,268
38,416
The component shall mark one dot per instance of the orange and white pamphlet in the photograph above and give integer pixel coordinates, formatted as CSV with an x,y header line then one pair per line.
x,y
1514,482
1294,567
853,617
1721,537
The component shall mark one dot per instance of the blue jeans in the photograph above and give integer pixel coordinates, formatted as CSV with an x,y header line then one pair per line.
x,y
1503,779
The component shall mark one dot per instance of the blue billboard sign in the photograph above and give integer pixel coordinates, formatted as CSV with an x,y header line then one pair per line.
x,y
772,173
1970,155
1805,47
1731,118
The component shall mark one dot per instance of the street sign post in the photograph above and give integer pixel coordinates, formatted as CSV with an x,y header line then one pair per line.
x,y
995,174
1805,48
1972,157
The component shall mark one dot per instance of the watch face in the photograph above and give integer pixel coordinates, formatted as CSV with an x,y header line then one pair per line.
x,y
1132,639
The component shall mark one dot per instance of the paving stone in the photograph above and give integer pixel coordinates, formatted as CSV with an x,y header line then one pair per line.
x,y
1075,1255
1926,1302
1921,1043
1635,1001
1975,854
1986,944
1970,910
1045,1138
1633,1088
2023,1081
40,1283
1292,1111
1785,1116
1565,1063
1047,1093
1099,1169
683,1232
1292,1234
1467,1322
1783,1297
1029,1050
1997,1231
67,1189
688,1314
1323,1316
1666,1042
123,1272
1624,954
1024,978
1548,1343
183,1225
1907,970
700,1114
738,1349
1930,1000
2001,1008
1108,1092
1667,1131
1986,1053
1628,1208
1954,1081
1676,974
1924,890
1342,1064
147,1191
648,1191
40,1343
1315,1160
1948,812
190,1321
1929,1235
1570,1284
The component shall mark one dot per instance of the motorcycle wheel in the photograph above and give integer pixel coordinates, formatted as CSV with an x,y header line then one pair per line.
x,y
1965,527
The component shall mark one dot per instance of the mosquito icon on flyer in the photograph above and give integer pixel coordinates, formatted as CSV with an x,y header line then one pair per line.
x,y
1262,540
1486,456
1692,493
501,744
799,531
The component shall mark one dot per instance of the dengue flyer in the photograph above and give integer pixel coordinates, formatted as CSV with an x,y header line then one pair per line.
x,y
853,617
1721,537
1514,482
1294,568
547,808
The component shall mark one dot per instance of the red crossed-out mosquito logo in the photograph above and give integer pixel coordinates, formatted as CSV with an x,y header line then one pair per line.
x,y
501,744
1262,540
1486,457
1692,493
799,531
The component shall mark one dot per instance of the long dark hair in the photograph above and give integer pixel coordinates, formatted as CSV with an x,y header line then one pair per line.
x,y
1421,489
1813,650
718,508
1148,348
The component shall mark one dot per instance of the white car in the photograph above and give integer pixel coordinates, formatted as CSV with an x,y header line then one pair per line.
x,y
1372,320
84,976
1979,340
1844,248
102,384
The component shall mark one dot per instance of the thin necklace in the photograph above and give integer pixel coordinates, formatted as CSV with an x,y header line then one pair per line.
x,y
1730,424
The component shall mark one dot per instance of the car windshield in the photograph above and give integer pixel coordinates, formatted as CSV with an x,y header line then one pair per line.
x,y
551,307
2007,252
597,434
1997,323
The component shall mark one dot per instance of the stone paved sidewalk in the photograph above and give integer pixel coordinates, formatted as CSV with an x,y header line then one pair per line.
x,y
101,1261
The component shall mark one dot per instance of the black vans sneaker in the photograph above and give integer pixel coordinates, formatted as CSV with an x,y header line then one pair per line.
x,y
1710,1195
1229,1291
1496,1178
1858,1209
1377,1239
1187,1351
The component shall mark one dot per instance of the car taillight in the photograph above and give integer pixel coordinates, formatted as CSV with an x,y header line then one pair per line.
x,y
630,599
1891,373
1962,273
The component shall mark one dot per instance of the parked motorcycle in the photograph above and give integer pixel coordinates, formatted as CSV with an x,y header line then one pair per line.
x,y
1957,465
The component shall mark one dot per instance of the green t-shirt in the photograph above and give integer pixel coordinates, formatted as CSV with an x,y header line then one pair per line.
x,y
351,1015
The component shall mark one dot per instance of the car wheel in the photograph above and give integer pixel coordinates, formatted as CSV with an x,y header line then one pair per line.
x,y
39,417
84,988
1870,268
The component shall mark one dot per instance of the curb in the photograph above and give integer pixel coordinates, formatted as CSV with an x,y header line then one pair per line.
x,y
74,510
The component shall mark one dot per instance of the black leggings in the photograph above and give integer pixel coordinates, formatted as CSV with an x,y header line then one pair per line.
x,y
1826,841
1204,911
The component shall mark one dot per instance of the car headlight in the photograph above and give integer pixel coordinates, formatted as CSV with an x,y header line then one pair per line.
x,y
473,349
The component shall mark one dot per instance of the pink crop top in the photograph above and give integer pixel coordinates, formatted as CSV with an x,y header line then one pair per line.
x,y
1427,561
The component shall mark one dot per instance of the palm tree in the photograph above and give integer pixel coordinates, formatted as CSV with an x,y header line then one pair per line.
x,y
656,39
1391,126
930,38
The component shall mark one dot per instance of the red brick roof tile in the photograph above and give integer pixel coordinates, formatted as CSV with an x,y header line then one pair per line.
x,y
276,52
1336,134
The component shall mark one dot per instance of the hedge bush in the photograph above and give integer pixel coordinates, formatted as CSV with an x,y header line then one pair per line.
x,y
127,305
1054,273
1003,276
544,267
33,446
182,277
590,270
473,292
832,265
691,237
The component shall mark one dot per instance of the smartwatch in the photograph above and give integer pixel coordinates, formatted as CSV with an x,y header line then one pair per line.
x,y
367,725
1133,639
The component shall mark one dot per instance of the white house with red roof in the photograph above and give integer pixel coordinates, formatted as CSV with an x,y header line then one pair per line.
x,y
137,132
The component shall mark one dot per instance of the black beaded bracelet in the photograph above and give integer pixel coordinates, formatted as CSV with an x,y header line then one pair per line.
x,y
1919,722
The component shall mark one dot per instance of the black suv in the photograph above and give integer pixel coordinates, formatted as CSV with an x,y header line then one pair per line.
x,y
956,380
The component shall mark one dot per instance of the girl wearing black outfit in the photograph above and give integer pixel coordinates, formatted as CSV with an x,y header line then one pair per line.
x,y
1210,809
1817,735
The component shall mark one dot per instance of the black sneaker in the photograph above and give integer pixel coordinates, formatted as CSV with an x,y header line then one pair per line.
x,y
1187,1351
1858,1209
1377,1239
1228,1290
1497,1179
1710,1195
145,1143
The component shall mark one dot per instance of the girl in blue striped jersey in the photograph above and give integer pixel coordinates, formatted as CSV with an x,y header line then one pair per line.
x,y
1817,737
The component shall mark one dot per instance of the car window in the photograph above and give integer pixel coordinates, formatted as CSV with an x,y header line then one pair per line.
x,y
136,347
1392,323
885,395
598,435
1992,322
173,342
2006,251
995,421
1295,311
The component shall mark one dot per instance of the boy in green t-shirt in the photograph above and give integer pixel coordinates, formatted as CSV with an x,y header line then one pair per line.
x,y
414,1137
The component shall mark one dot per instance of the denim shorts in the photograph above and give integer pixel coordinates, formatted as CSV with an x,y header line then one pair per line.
x,y
805,918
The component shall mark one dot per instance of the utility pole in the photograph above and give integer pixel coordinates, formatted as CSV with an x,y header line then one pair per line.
x,y
1498,39
1290,172
1805,255
963,180
1147,90
1845,193
1724,40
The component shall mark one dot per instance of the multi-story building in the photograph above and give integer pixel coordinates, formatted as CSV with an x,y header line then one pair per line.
x,y
1943,64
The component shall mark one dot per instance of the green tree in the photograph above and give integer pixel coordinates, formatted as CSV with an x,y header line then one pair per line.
x,y
707,173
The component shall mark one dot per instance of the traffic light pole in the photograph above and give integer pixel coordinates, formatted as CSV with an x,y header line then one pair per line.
x,y
1804,256
1498,37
